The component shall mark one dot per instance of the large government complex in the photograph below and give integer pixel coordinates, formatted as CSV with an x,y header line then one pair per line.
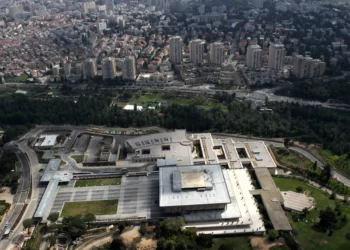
x,y
205,179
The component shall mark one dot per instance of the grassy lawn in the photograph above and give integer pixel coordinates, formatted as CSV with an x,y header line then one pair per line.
x,y
21,78
308,237
78,158
290,157
237,242
98,182
95,207
153,98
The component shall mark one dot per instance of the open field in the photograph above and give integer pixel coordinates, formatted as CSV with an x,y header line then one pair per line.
x,y
98,182
94,207
21,78
78,158
307,236
290,157
237,242
152,98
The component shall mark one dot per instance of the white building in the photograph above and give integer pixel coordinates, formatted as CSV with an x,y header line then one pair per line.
x,y
277,53
196,51
217,53
108,68
88,7
129,68
253,57
56,70
101,26
156,78
175,48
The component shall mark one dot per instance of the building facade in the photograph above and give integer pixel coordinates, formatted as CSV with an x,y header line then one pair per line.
x,y
253,57
196,48
217,53
277,53
175,50
89,69
108,68
129,68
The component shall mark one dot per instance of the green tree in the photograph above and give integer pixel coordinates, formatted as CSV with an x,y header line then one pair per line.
x,y
121,226
117,244
143,229
181,245
327,218
287,143
299,189
325,174
52,240
205,240
27,223
272,235
226,247
74,225
53,217
347,236
161,244
89,217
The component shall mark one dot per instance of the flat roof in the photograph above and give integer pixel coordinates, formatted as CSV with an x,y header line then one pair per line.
x,y
272,200
47,199
296,201
264,178
49,140
168,197
50,170
131,107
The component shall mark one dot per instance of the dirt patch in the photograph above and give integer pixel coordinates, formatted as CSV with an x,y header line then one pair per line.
x,y
6,194
130,235
260,243
147,244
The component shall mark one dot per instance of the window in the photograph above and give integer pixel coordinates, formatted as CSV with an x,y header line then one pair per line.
x,y
165,147
146,151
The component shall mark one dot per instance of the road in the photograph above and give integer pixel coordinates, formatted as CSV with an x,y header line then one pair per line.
x,y
19,198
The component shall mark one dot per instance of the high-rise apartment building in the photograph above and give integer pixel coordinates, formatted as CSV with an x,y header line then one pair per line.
x,y
56,70
253,57
67,67
277,53
129,68
217,53
196,51
108,68
258,4
15,9
175,48
110,6
90,69
306,67
88,6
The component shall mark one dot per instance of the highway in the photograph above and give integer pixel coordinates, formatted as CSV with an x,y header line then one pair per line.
x,y
19,198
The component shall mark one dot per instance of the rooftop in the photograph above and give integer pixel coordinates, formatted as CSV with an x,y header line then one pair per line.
x,y
50,170
296,201
192,185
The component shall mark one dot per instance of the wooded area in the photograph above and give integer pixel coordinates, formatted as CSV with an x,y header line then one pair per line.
x,y
306,123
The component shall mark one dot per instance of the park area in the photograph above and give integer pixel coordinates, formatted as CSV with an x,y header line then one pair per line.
x,y
288,157
95,207
308,236
98,182
78,158
20,78
153,98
